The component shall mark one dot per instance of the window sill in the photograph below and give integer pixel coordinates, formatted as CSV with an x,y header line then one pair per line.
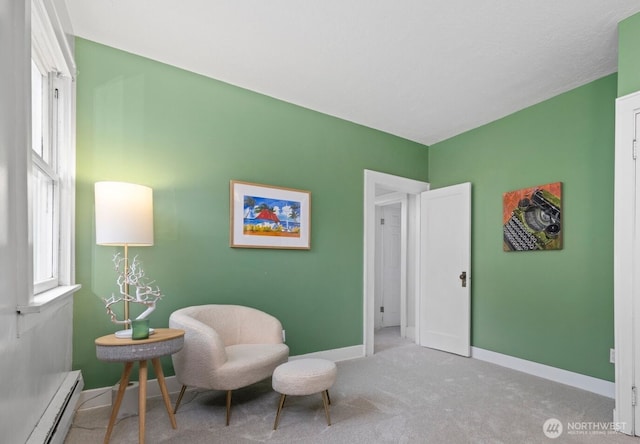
x,y
43,307
48,299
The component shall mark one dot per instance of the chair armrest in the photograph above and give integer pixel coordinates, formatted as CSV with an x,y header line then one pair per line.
x,y
203,351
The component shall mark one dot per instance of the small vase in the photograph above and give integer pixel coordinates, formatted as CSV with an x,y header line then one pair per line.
x,y
140,329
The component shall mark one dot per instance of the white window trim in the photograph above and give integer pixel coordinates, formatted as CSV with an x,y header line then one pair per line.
x,y
45,41
50,45
48,299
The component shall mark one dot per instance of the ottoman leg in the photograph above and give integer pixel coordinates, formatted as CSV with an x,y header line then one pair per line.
x,y
280,405
325,401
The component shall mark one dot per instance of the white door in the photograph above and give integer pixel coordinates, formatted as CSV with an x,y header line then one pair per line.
x,y
445,286
391,264
636,285
626,264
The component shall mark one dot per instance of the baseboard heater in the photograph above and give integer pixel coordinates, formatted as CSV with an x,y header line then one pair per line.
x,y
56,420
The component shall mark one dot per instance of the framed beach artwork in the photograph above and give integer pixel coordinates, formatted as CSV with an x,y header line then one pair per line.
x,y
265,216
532,218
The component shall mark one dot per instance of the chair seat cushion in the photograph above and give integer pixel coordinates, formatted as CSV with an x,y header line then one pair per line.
x,y
247,364
304,376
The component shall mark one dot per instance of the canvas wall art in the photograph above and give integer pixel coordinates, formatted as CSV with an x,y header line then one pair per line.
x,y
264,216
531,218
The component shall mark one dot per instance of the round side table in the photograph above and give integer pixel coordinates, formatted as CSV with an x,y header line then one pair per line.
x,y
164,342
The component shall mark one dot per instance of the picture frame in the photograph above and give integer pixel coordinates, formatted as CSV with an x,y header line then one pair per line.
x,y
266,216
532,218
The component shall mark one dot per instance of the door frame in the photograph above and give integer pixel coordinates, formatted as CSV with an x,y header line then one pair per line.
x,y
375,181
625,262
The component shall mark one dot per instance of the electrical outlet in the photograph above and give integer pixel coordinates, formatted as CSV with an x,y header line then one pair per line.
x,y
284,336
612,355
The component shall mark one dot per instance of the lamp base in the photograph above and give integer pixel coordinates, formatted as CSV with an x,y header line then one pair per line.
x,y
126,334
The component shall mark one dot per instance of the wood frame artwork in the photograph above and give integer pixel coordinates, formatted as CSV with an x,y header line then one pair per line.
x,y
265,216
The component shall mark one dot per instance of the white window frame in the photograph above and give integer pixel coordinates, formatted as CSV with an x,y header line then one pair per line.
x,y
48,166
51,51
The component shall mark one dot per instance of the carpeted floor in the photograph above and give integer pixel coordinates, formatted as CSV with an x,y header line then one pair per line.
x,y
402,394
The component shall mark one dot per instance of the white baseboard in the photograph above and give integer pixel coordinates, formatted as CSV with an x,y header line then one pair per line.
x,y
336,354
588,383
101,397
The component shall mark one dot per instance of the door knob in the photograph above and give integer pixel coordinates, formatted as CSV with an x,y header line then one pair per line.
x,y
463,278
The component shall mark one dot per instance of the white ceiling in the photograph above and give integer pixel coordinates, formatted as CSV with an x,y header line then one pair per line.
x,y
424,70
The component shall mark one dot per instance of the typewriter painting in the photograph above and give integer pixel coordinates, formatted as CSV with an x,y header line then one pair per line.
x,y
531,218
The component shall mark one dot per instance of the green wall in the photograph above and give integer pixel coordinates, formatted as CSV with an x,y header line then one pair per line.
x,y
551,307
628,60
187,136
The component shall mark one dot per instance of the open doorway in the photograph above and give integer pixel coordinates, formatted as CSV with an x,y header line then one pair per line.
x,y
380,189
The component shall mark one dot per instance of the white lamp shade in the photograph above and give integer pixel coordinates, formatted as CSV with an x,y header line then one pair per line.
x,y
124,214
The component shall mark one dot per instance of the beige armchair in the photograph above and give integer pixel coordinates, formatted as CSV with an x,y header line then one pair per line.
x,y
226,347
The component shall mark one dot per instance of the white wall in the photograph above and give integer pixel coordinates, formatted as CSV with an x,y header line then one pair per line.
x,y
34,356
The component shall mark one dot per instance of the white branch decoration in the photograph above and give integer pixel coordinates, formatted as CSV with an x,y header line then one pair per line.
x,y
133,276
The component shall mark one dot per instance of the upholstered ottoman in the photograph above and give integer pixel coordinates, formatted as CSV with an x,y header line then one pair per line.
x,y
304,377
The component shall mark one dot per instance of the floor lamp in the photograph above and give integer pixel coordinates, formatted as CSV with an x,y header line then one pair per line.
x,y
124,217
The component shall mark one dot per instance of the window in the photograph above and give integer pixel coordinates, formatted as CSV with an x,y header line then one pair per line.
x,y
52,154
45,180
